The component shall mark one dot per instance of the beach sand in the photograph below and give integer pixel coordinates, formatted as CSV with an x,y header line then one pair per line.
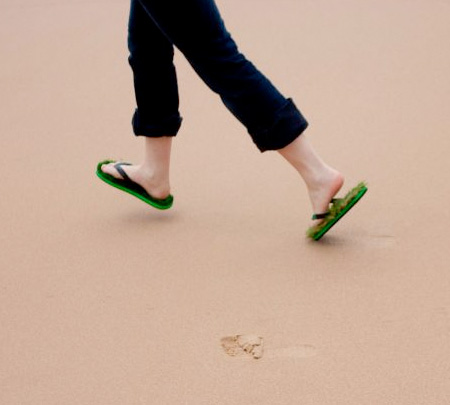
x,y
105,301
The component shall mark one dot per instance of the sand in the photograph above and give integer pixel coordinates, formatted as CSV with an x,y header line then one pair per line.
x,y
106,301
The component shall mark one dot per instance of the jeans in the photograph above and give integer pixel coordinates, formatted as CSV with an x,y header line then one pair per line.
x,y
196,28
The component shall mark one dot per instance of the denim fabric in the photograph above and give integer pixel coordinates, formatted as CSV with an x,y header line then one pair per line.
x,y
196,28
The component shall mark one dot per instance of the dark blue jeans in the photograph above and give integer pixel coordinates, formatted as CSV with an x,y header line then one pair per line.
x,y
196,28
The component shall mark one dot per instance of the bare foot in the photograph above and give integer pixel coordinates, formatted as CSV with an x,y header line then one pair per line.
x,y
323,189
157,188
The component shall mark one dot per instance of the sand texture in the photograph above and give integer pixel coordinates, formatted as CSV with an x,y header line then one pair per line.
x,y
106,301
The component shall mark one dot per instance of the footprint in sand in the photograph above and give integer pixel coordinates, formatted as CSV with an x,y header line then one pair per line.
x,y
240,345
297,352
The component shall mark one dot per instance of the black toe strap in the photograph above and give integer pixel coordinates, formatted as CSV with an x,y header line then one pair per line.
x,y
321,216
118,167
325,214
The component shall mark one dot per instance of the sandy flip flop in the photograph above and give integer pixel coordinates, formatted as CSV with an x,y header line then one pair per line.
x,y
131,187
339,207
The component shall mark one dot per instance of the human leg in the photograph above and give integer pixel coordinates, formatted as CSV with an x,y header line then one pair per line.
x,y
197,29
156,117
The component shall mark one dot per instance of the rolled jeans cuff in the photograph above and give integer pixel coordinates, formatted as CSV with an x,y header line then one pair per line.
x,y
165,127
287,125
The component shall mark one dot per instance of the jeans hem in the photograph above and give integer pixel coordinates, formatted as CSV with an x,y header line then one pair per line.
x,y
287,126
167,127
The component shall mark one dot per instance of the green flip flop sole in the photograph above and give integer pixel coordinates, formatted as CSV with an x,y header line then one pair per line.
x,y
132,188
339,207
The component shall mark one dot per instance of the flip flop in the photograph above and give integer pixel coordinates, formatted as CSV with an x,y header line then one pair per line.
x,y
339,207
131,187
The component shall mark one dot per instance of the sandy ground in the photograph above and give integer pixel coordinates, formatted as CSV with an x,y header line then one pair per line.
x,y
105,301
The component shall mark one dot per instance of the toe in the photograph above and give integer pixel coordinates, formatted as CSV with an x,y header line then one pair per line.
x,y
104,168
316,222
109,169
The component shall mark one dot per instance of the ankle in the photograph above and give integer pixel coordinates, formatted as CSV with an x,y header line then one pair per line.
x,y
314,175
155,181
153,174
316,180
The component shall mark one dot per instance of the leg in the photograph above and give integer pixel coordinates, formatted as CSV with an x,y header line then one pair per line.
x,y
197,29
157,117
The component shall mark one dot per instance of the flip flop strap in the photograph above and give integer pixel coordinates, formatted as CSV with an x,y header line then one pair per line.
x,y
325,214
118,167
321,216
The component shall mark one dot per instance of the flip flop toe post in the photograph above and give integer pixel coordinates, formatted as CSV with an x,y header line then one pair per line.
x,y
131,187
338,208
